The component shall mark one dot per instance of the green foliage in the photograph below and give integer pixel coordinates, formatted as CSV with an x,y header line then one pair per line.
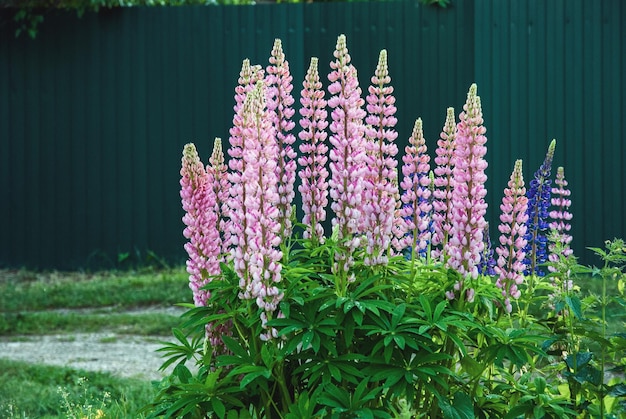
x,y
29,14
68,303
39,323
393,345
59,290
51,392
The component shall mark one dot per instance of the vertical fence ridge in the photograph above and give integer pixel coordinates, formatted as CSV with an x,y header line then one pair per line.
x,y
94,113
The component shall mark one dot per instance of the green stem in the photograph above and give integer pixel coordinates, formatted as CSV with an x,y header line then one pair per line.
x,y
603,350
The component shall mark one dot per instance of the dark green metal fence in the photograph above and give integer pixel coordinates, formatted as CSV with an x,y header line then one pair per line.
x,y
95,111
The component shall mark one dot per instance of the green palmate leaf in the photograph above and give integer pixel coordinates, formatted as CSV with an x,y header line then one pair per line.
x,y
183,373
473,367
268,358
574,304
461,407
218,407
428,311
304,406
211,379
251,376
588,374
397,315
618,390
235,348
578,361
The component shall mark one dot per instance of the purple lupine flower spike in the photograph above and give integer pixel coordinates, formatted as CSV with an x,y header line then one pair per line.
x,y
512,227
313,173
347,156
204,245
538,203
380,190
279,107
561,218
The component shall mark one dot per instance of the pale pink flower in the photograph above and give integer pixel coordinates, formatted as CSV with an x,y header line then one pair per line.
x,y
204,245
510,265
416,206
347,155
313,173
444,184
261,209
561,218
235,231
380,191
280,111
467,214
221,188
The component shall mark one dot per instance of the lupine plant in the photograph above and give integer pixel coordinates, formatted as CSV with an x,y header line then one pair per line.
x,y
415,224
313,173
360,322
380,189
538,204
468,206
442,202
513,228
561,217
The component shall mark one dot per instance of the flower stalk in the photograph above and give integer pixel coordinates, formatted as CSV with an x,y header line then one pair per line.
x,y
313,172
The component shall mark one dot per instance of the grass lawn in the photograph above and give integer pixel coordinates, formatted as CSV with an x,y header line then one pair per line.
x,y
36,391
67,303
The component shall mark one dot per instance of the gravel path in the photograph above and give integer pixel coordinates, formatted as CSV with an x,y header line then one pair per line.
x,y
123,356
118,354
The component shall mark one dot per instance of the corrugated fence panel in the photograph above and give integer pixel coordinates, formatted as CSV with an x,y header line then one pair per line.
x,y
94,112
555,70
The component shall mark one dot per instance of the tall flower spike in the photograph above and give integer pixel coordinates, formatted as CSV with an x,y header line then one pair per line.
x,y
313,173
198,201
221,188
279,107
561,218
235,229
512,227
346,157
444,184
468,195
262,197
380,191
538,204
416,209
